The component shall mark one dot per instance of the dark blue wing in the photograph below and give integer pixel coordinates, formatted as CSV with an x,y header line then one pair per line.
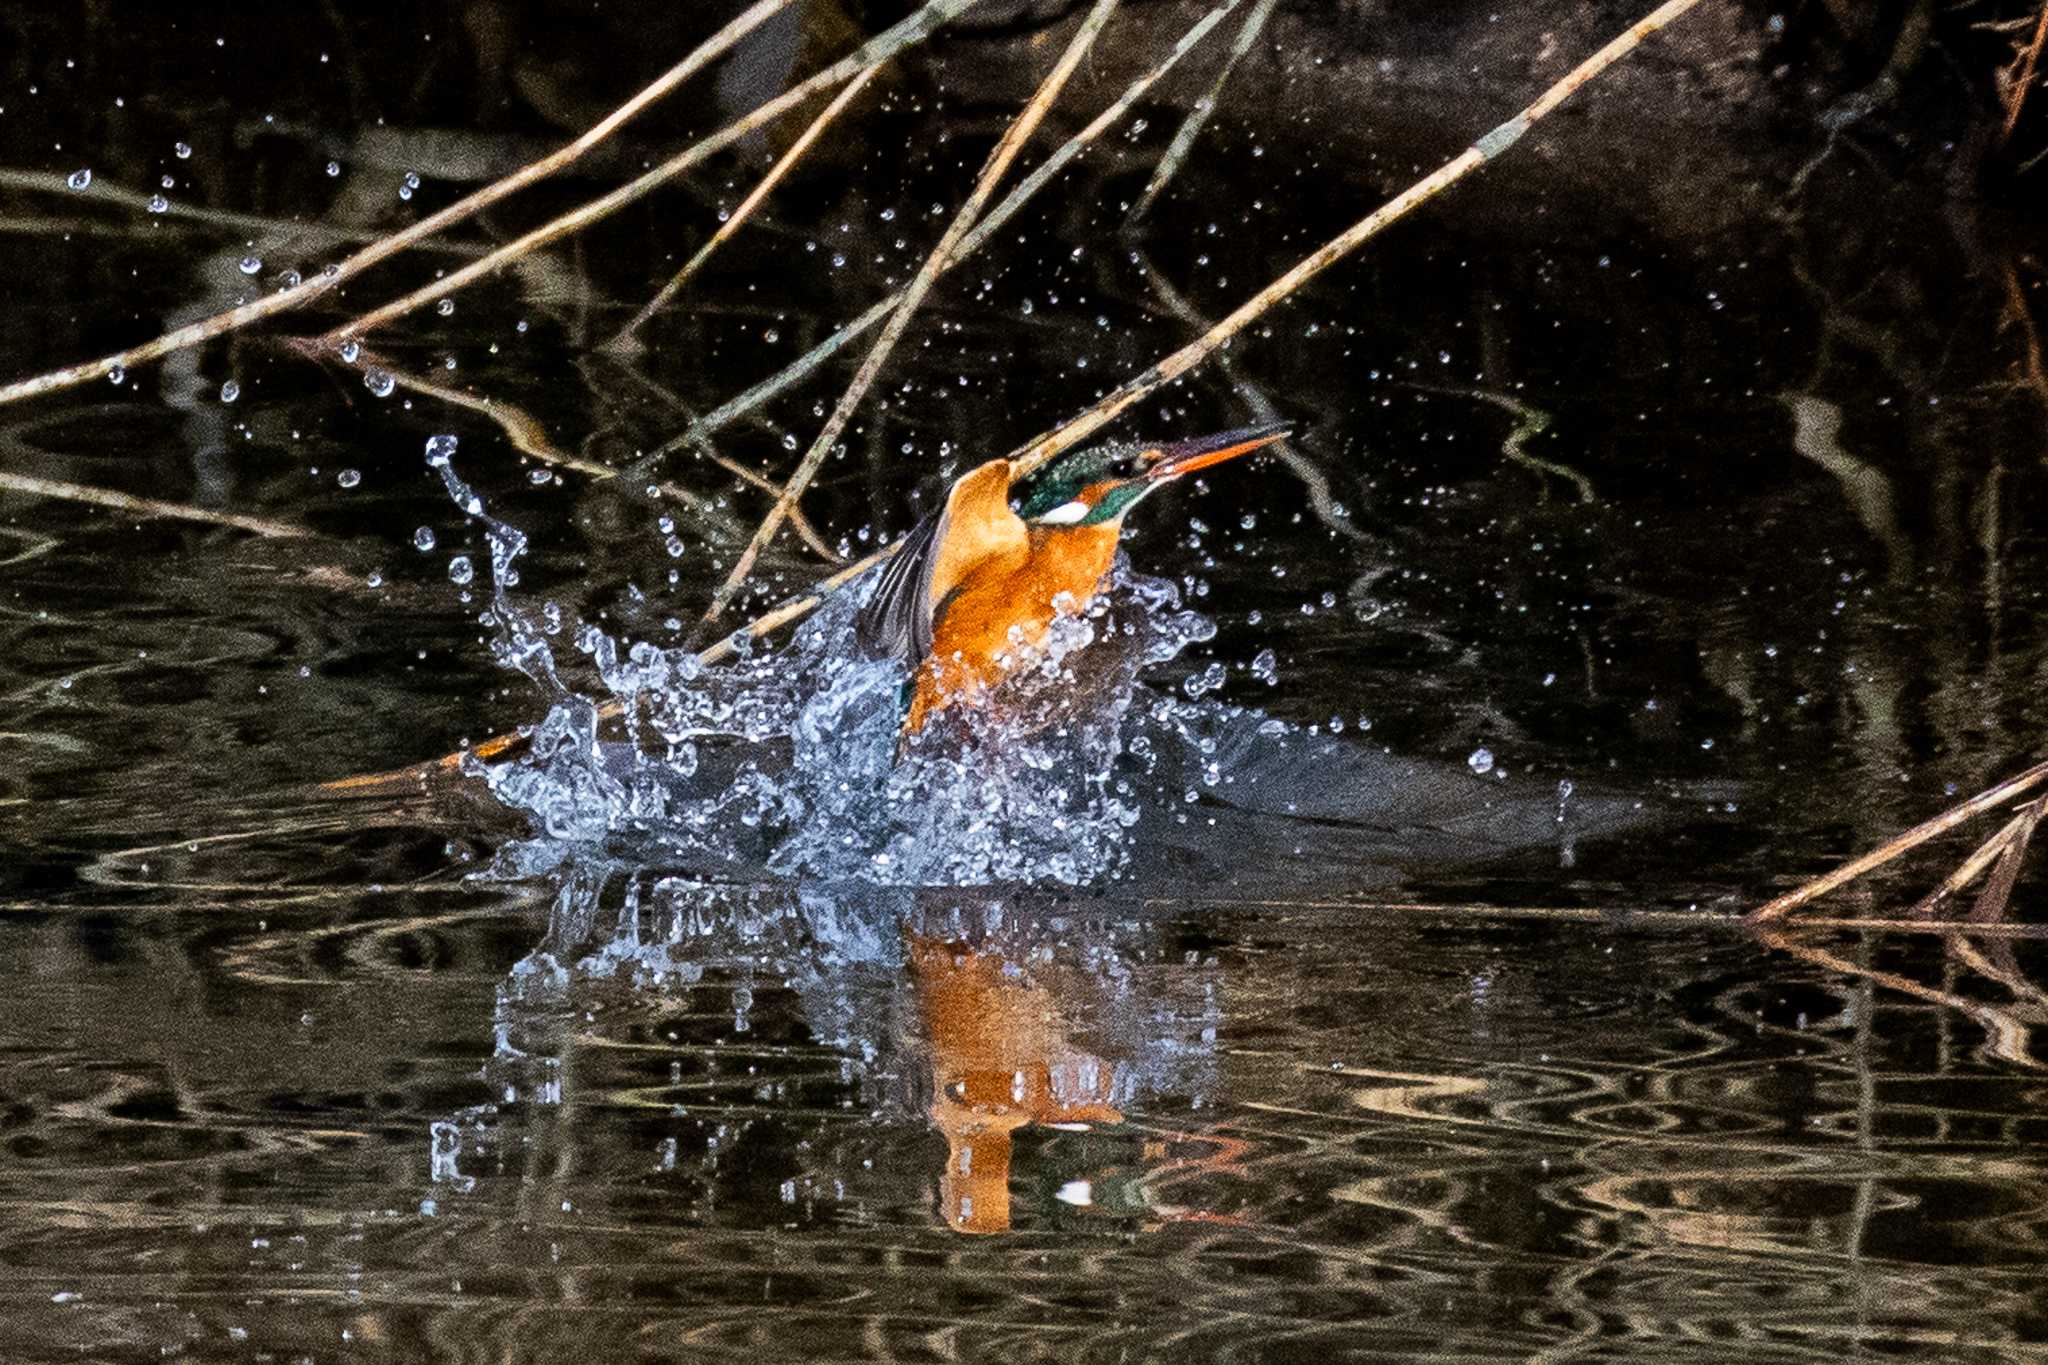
x,y
896,621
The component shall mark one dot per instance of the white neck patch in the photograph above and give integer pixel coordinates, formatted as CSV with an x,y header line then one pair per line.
x,y
1066,514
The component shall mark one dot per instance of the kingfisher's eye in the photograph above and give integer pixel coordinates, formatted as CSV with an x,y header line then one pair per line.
x,y
1066,514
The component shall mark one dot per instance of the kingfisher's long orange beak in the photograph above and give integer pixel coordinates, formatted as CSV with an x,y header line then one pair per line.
x,y
1178,458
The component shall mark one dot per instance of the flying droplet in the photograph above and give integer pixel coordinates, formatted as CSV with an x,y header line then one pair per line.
x,y
117,374
334,168
349,478
446,307
1481,761
379,381
183,151
158,204
230,391
80,178
251,264
460,570
349,351
423,539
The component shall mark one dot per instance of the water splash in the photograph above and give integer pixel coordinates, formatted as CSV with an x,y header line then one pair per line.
x,y
787,762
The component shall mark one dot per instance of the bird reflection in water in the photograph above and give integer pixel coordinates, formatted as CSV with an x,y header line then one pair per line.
x,y
974,1015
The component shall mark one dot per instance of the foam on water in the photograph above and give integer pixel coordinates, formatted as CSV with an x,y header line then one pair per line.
x,y
787,760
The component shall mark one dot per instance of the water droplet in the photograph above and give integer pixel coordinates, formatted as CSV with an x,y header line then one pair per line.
x,y
771,336
539,477
158,204
1481,761
288,280
409,184
183,151
440,450
349,351
460,570
349,478
1266,667
80,178
117,375
251,264
334,168
423,539
168,182
446,307
230,391
379,381
375,580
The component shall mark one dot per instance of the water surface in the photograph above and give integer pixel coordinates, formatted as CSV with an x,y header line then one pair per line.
x,y
281,1078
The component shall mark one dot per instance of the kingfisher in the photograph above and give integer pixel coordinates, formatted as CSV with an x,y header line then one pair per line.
x,y
980,581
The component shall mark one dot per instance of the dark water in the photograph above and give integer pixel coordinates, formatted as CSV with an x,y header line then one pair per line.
x,y
280,1079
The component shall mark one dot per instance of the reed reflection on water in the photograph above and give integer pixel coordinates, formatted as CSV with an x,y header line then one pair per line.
x,y
743,1120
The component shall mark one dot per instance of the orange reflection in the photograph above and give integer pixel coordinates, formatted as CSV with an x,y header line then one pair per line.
x,y
1000,1059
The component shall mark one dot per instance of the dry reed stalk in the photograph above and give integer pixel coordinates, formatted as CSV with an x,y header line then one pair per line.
x,y
794,373
1492,145
874,52
759,195
1191,127
522,429
193,334
2022,80
791,609
1776,909
146,507
1312,478
527,436
798,522
53,183
992,171
1035,453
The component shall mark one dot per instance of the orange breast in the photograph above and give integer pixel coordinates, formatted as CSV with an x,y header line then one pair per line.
x,y
972,646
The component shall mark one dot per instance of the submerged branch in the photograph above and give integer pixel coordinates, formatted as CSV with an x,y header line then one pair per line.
x,y
146,507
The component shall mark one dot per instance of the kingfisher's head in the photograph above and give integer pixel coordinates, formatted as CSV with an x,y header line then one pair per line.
x,y
1098,485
